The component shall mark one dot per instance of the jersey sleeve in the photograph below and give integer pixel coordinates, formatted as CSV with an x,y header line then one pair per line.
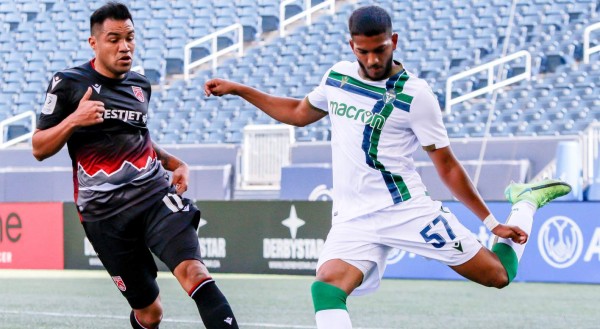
x,y
58,103
318,97
426,121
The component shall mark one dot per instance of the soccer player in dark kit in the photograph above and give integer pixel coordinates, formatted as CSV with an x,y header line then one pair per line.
x,y
126,203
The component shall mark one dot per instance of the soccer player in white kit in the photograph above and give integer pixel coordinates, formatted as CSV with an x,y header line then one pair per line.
x,y
380,113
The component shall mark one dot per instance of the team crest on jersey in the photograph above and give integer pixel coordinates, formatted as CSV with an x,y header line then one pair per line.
x,y
389,96
119,282
344,81
137,91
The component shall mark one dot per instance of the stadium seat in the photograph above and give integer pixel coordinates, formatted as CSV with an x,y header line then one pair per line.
x,y
16,130
270,18
153,70
174,61
551,30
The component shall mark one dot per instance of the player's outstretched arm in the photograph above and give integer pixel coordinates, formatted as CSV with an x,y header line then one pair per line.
x,y
456,179
47,142
179,168
292,111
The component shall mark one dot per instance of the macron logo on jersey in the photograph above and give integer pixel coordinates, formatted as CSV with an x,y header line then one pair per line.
x,y
375,120
55,81
97,88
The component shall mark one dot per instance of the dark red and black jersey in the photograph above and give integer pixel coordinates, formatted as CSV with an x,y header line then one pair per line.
x,y
114,163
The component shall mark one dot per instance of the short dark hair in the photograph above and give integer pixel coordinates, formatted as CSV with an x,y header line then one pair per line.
x,y
369,21
113,10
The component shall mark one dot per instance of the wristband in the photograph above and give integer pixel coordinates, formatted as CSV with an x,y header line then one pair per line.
x,y
490,222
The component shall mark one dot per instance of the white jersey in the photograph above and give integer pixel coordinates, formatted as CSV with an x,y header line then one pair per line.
x,y
375,127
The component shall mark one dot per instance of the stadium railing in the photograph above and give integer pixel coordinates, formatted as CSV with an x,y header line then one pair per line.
x,y
215,52
587,51
491,84
309,9
590,141
266,148
5,123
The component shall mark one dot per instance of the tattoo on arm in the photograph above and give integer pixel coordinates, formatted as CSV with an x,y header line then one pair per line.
x,y
430,148
168,161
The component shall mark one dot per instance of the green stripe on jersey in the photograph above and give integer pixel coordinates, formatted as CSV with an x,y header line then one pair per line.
x,y
350,80
386,111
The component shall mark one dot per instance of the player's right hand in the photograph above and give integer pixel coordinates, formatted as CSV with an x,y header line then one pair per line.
x,y
220,87
88,112
515,233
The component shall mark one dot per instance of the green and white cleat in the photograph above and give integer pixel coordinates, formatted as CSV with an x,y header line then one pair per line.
x,y
538,193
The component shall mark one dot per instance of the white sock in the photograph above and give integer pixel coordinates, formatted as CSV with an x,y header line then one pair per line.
x,y
333,319
521,215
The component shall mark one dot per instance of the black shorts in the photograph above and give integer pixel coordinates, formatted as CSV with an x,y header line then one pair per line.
x,y
123,243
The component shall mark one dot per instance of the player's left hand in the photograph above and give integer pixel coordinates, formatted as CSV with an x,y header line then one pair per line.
x,y
515,233
180,178
220,87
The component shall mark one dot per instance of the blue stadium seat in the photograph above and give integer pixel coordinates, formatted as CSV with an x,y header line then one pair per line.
x,y
215,137
551,62
234,137
551,30
174,61
270,18
153,70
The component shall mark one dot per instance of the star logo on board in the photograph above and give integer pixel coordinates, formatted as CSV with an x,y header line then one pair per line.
x,y
344,81
389,96
293,222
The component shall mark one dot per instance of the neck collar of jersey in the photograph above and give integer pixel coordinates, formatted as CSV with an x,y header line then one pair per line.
x,y
92,64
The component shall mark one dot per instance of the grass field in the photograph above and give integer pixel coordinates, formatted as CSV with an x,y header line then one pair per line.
x,y
89,299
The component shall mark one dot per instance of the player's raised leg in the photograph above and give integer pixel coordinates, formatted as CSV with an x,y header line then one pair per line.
x,y
526,199
497,268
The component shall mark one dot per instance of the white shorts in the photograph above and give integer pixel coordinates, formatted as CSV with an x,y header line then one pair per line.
x,y
420,226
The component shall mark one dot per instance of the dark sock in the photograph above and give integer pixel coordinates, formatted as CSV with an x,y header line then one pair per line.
x,y
134,322
213,306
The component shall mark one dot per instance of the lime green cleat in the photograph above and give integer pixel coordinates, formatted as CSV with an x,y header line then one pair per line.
x,y
538,193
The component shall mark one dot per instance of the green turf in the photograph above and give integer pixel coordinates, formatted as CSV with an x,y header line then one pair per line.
x,y
82,299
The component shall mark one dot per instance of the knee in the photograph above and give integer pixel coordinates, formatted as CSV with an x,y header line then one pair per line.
x,y
326,275
332,274
150,317
190,272
340,274
499,280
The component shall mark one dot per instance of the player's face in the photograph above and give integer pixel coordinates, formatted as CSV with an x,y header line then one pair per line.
x,y
374,54
114,44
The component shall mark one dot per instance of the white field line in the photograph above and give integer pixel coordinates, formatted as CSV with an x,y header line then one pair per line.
x,y
97,316
101,274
